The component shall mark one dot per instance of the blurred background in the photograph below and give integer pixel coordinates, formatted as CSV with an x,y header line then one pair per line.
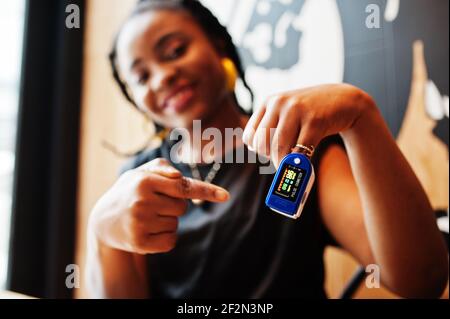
x,y
12,15
59,107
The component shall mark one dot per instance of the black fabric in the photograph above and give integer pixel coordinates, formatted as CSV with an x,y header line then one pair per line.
x,y
241,248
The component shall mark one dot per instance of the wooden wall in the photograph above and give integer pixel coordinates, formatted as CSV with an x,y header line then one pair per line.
x,y
106,116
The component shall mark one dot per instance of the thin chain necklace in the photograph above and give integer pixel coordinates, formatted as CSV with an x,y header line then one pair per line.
x,y
209,178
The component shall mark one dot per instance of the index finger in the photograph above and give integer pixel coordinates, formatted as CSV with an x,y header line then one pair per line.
x,y
188,188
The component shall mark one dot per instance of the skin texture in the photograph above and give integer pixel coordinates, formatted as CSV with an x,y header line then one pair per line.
x,y
369,198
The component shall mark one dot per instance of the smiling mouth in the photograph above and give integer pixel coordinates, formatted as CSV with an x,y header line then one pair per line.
x,y
180,101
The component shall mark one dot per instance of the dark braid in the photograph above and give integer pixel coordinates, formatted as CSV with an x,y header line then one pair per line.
x,y
207,21
122,85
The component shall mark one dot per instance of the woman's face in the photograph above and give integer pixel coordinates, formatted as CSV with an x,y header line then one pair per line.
x,y
172,69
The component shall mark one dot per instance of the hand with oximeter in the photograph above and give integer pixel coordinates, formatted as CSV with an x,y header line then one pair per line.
x,y
292,183
304,117
301,119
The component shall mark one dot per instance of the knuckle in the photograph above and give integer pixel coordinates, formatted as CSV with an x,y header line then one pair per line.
x,y
144,185
141,186
283,100
293,105
135,211
139,210
315,121
273,102
185,186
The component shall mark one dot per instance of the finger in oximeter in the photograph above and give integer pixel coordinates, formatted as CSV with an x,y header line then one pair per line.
x,y
291,185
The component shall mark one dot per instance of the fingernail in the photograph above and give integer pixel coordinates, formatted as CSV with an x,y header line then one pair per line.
x,y
221,194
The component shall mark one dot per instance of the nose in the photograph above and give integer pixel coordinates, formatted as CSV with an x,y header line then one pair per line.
x,y
162,77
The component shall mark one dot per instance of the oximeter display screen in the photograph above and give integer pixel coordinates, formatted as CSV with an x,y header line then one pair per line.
x,y
289,182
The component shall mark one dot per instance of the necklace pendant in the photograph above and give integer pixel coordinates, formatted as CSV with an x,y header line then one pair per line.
x,y
209,178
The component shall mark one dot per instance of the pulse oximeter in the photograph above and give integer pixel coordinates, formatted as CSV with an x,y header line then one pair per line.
x,y
291,185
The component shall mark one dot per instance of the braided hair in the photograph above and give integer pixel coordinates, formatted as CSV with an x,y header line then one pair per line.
x,y
214,30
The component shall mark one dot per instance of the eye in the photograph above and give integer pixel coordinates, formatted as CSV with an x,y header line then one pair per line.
x,y
175,51
141,78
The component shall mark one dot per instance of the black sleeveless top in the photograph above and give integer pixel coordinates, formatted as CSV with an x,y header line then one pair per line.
x,y
241,248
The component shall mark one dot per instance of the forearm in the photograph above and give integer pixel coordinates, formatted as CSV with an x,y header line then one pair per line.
x,y
402,231
112,273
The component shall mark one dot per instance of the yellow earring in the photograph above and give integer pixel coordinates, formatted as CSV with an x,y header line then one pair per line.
x,y
230,72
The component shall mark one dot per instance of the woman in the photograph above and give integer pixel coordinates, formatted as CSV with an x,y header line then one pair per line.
x,y
176,63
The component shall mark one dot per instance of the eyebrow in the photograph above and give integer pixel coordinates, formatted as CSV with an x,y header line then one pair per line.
x,y
161,42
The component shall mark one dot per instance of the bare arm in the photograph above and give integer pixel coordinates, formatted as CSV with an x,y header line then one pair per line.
x,y
377,209
371,201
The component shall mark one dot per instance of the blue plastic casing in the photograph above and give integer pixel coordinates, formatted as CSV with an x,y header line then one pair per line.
x,y
288,196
